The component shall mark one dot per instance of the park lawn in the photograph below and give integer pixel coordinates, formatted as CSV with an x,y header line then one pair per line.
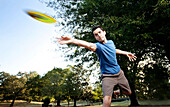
x,y
157,103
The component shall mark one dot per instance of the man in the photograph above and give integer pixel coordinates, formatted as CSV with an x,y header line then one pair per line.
x,y
110,70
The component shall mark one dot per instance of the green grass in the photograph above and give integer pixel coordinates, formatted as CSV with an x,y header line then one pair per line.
x,y
157,103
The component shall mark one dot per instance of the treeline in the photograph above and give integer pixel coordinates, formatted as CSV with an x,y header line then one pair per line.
x,y
73,84
69,84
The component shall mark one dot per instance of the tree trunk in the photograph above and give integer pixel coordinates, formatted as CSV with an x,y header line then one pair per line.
x,y
12,104
133,98
131,79
68,103
58,102
75,102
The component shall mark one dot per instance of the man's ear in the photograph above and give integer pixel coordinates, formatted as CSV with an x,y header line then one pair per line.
x,y
95,37
105,32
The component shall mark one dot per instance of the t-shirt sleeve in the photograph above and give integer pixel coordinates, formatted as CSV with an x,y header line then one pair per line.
x,y
97,48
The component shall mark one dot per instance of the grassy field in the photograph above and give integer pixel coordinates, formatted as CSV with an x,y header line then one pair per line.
x,y
148,103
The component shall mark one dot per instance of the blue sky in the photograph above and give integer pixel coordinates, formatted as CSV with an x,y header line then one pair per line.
x,y
25,43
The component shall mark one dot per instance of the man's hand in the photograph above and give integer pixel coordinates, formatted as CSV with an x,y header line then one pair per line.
x,y
131,57
64,40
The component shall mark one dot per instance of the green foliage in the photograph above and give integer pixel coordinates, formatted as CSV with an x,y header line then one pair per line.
x,y
3,77
71,83
97,92
76,84
53,84
34,87
14,86
153,77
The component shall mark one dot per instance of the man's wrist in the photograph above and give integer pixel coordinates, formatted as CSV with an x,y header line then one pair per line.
x,y
127,53
72,40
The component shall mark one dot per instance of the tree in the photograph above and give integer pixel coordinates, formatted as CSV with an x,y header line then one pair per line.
x,y
13,86
3,77
70,88
76,83
34,88
153,78
53,84
97,92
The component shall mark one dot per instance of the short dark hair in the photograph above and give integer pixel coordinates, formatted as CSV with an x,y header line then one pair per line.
x,y
95,27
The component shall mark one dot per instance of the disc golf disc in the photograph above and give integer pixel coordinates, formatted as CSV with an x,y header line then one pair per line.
x,y
41,17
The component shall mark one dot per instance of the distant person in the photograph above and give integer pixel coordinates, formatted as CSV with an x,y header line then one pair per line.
x,y
110,70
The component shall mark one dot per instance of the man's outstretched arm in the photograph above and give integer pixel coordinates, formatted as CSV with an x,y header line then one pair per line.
x,y
131,56
68,40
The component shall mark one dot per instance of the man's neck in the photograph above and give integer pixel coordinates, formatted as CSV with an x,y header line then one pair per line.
x,y
105,41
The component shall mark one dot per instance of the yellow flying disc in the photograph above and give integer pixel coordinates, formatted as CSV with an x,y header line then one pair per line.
x,y
41,17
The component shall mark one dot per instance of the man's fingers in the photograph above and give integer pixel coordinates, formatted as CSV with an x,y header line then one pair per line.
x,y
58,37
135,57
59,41
132,59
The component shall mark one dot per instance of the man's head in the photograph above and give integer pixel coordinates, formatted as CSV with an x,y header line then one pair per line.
x,y
99,34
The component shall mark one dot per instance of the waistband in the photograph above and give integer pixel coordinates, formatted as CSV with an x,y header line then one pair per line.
x,y
111,76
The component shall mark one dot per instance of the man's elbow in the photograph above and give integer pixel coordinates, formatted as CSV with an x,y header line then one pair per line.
x,y
93,47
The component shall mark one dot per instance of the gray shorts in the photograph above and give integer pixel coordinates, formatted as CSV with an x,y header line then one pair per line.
x,y
109,82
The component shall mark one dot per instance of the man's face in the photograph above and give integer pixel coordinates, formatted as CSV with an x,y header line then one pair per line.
x,y
99,35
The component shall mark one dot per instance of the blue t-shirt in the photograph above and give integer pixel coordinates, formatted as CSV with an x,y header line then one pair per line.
x,y
107,55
